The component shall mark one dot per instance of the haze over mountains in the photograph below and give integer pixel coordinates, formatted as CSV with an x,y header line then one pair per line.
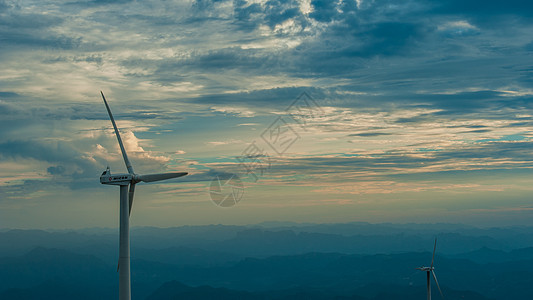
x,y
270,261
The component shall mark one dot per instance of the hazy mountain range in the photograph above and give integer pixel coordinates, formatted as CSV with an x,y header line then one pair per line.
x,y
270,261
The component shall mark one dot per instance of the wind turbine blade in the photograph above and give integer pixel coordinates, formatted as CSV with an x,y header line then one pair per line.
x,y
437,282
434,248
130,196
124,155
160,176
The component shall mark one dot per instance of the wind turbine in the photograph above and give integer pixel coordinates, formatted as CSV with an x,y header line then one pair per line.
x,y
126,201
431,270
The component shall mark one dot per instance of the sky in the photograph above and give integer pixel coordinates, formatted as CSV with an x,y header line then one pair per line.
x,y
326,111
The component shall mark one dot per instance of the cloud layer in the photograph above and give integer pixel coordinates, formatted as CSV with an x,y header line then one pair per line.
x,y
417,96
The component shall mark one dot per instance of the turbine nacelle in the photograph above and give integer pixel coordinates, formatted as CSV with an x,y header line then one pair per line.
x,y
116,179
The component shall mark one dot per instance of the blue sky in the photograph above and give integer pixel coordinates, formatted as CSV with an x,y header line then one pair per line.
x,y
422,110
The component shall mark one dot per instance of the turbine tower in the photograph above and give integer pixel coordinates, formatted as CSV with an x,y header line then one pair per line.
x,y
126,201
431,270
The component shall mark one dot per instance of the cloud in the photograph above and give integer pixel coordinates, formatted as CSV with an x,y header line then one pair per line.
x,y
221,143
409,90
369,134
111,1
458,28
8,95
490,7
29,28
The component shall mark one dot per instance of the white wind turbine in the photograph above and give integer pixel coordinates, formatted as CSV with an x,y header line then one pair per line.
x,y
431,270
126,201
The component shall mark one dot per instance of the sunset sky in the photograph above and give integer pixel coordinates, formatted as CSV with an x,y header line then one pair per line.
x,y
421,110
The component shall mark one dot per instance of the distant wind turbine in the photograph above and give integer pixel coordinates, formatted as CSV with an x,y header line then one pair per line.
x,y
432,271
126,201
